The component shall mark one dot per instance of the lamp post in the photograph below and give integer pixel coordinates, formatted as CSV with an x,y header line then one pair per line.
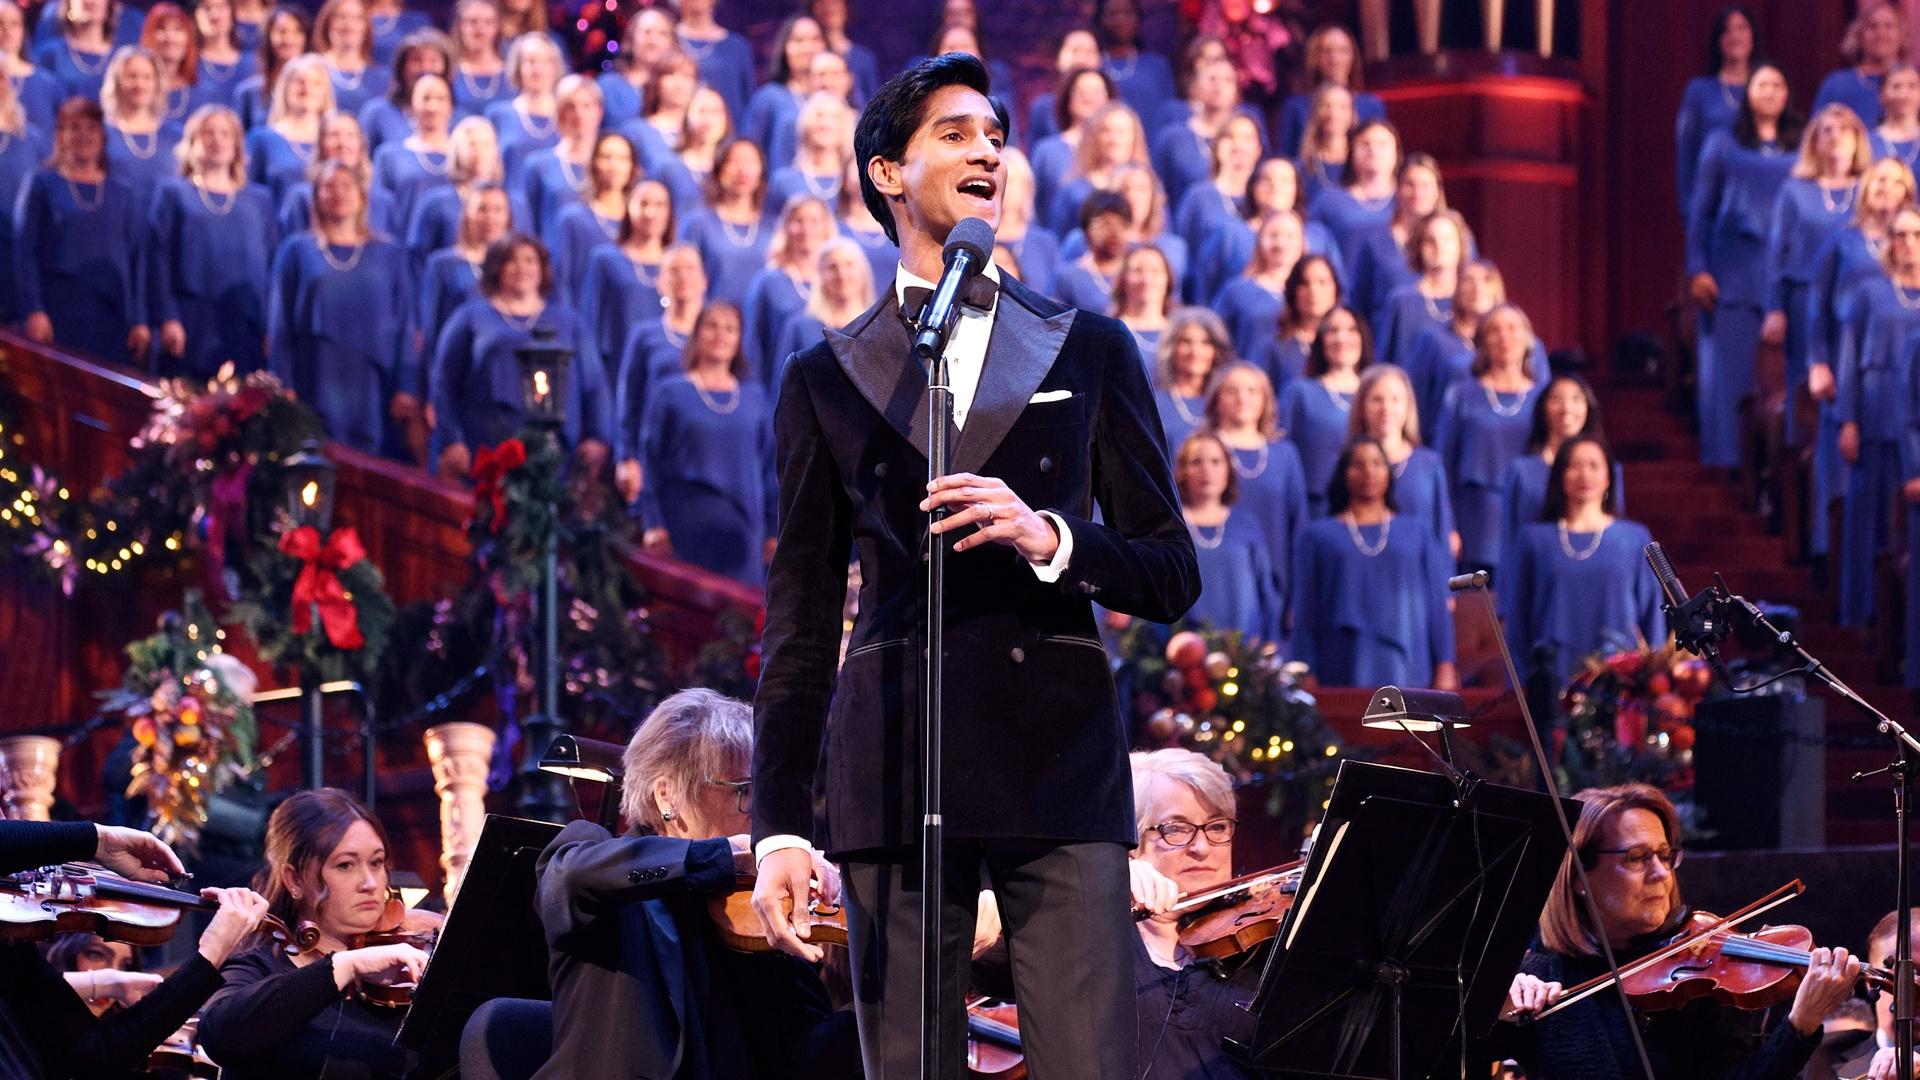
x,y
545,370
310,488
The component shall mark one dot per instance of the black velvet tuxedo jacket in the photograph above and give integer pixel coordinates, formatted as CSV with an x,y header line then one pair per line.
x,y
1034,740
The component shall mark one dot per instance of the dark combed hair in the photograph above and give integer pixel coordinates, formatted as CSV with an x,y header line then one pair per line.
x,y
888,122
501,250
1556,505
302,832
1747,133
1317,364
1537,434
1715,60
1338,497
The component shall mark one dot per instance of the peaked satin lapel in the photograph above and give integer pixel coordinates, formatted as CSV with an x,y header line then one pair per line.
x,y
1021,352
875,352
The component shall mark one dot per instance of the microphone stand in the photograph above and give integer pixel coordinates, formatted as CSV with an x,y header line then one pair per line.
x,y
1477,582
932,828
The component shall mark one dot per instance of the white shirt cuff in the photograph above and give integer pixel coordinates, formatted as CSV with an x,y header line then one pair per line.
x,y
1053,568
778,842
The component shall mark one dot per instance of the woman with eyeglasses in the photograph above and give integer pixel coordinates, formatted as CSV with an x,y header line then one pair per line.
x,y
1628,842
1184,805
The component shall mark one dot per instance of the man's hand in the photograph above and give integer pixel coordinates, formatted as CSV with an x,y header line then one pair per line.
x,y
780,893
1527,996
137,855
1000,514
1152,889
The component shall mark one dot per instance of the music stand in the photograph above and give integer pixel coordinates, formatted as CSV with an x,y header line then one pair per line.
x,y
1416,908
492,944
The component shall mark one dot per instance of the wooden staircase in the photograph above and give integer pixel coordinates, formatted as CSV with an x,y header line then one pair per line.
x,y
1699,515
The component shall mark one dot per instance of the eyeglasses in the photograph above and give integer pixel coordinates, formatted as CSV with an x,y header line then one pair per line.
x,y
1638,859
743,789
1179,834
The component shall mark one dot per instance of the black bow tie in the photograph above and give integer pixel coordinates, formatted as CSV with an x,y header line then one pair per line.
x,y
978,293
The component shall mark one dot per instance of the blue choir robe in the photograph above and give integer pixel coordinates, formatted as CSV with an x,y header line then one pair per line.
x,y
771,115
1909,471
447,282
474,94
1843,264
619,99
249,35
142,161
1319,177
1224,252
20,158
708,463
1406,317
865,67
1061,214
1180,415
1858,92
296,211
77,252
352,92
209,263
1805,216
40,95
773,298
252,100
1876,354
801,332
1273,494
389,31
1148,342
80,73
1052,161
1040,126
1038,253
1250,312
1291,131
1283,357
1383,269
128,23
1908,151
732,254
1733,201
1478,434
474,379
1420,492
1181,159
436,221
616,293
1236,578
686,189
789,182
522,135
651,146
883,258
552,184
383,122
1525,497
652,353
1354,224
573,238
1143,81
1315,420
726,64
343,340
1706,106
219,81
1074,245
1076,284
1439,358
406,174
1559,609
1202,211
1371,621
275,161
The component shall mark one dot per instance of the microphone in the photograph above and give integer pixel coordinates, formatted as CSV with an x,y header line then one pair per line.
x,y
969,246
1698,622
1663,571
1463,582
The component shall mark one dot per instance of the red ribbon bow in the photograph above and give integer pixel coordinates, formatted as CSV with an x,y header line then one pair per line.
x,y
319,583
490,467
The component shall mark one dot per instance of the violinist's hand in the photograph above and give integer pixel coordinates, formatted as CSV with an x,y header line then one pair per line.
x,y
107,984
138,855
1528,995
780,899
1152,889
742,847
1884,1062
239,916
1831,975
986,923
379,964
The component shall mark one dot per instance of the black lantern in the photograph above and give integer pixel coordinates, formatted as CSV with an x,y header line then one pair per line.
x,y
310,480
545,367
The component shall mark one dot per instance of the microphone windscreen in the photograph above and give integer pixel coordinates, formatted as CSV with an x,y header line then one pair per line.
x,y
973,236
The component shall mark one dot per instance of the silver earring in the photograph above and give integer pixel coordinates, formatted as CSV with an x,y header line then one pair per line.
x,y
666,815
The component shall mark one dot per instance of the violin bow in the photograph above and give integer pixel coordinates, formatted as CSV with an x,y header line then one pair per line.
x,y
1194,901
1680,944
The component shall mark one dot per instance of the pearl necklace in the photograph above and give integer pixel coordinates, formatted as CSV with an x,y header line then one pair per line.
x,y
1121,74
575,175
698,49
209,200
674,339
341,265
1841,205
1249,473
486,87
1343,402
425,158
1566,543
1180,406
713,403
742,240
1373,206
1199,533
829,193
344,81
98,68
647,279
528,125
1910,301
1493,402
178,112
1353,530
133,145
1433,309
99,197
522,323
1726,93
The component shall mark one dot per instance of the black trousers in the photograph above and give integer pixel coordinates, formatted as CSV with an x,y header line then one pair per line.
x,y
1067,916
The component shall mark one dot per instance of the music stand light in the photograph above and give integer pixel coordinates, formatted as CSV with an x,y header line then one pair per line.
x,y
1394,709
579,758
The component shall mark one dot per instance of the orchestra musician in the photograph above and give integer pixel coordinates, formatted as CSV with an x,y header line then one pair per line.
x,y
282,1016
1053,411
1872,1056
1628,839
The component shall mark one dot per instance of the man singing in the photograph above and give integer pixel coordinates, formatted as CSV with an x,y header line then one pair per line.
x,y
1052,412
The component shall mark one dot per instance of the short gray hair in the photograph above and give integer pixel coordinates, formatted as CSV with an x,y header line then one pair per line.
x,y
1201,775
692,736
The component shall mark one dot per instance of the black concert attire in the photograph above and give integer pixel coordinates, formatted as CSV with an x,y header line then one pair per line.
x,y
643,985
1700,1041
45,1029
1038,787
276,1021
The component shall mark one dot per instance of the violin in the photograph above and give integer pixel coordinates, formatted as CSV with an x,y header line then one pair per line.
x,y
392,929
1236,916
181,1056
993,1041
81,899
740,928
